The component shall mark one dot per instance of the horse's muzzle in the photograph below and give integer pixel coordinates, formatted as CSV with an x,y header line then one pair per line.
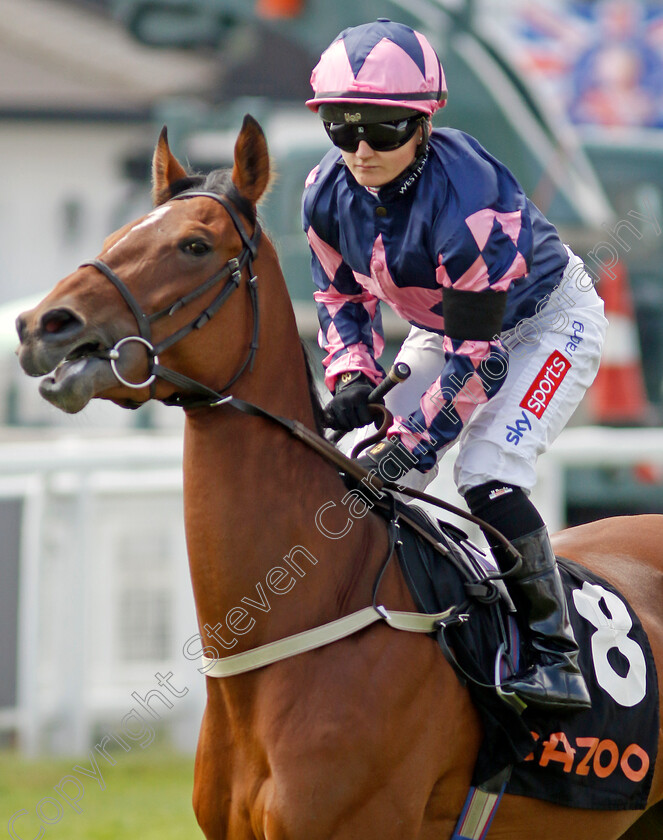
x,y
46,339
58,345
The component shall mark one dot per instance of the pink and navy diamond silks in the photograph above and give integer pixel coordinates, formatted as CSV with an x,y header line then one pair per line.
x,y
459,220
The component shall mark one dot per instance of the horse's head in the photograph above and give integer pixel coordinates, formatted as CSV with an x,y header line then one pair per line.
x,y
112,327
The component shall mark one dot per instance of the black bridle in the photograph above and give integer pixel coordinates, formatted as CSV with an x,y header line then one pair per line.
x,y
195,393
198,395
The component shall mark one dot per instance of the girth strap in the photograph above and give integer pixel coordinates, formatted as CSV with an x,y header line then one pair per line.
x,y
481,806
325,634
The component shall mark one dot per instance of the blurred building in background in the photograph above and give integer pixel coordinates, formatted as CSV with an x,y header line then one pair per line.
x,y
93,592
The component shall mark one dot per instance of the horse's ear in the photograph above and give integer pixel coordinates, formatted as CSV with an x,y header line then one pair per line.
x,y
166,169
251,169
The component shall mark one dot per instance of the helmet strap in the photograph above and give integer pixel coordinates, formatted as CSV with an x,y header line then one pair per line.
x,y
425,136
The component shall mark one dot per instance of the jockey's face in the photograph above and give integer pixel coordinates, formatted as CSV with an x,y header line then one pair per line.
x,y
375,169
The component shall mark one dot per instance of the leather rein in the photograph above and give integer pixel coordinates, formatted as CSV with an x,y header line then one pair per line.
x,y
197,395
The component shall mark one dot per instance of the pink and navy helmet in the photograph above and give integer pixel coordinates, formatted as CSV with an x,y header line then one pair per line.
x,y
382,63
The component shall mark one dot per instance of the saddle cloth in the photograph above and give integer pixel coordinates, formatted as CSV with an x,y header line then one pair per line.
x,y
602,758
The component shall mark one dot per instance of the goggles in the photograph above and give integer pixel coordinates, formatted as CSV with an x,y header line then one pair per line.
x,y
381,137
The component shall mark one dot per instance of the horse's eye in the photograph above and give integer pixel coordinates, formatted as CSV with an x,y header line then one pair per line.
x,y
196,247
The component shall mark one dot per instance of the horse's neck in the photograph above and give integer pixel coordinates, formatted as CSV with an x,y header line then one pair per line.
x,y
252,494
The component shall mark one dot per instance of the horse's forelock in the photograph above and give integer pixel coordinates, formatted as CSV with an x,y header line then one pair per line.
x,y
179,186
220,181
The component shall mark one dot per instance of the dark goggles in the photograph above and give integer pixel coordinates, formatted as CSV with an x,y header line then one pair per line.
x,y
381,137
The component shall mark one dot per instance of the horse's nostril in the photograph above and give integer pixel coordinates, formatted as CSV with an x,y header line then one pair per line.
x,y
60,322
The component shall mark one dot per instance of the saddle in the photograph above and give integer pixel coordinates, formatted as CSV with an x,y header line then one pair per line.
x,y
479,639
602,758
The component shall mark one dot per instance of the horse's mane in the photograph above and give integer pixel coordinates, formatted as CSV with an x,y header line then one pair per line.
x,y
219,181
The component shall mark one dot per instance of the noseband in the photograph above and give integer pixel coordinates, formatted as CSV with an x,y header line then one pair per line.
x,y
196,393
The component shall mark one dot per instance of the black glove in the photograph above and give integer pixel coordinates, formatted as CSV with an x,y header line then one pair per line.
x,y
389,458
348,408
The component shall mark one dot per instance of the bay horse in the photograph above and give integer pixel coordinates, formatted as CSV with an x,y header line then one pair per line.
x,y
372,736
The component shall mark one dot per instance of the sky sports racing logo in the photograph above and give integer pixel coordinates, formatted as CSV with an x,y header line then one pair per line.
x,y
546,383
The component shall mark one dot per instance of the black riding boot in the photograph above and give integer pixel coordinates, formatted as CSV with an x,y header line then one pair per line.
x,y
556,681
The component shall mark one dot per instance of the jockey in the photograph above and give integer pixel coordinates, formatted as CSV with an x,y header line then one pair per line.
x,y
506,326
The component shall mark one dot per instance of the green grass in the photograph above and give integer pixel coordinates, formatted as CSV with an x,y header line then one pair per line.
x,y
147,796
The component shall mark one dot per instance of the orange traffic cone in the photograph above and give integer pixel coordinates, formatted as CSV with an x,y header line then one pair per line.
x,y
618,397
279,8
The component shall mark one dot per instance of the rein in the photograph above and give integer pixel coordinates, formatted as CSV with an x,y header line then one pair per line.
x,y
232,270
197,395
